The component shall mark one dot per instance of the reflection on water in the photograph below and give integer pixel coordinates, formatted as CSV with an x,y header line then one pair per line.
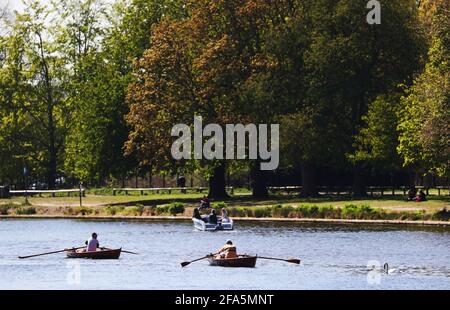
x,y
333,256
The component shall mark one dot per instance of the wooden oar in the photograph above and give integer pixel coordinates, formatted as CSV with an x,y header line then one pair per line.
x,y
130,252
291,260
122,251
184,264
42,254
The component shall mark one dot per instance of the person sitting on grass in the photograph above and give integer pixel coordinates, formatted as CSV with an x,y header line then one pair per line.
x,y
412,192
198,216
421,196
227,251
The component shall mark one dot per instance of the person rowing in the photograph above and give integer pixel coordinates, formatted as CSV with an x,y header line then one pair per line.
x,y
227,251
92,244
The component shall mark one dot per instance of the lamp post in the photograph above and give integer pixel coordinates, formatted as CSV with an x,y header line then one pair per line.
x,y
81,194
25,174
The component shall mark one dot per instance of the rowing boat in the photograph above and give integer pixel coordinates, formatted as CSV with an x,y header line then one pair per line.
x,y
221,225
240,261
101,254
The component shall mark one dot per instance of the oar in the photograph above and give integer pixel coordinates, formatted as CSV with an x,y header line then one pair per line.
x,y
184,264
291,260
130,252
122,251
42,254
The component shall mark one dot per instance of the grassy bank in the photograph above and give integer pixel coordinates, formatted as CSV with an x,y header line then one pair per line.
x,y
349,211
101,202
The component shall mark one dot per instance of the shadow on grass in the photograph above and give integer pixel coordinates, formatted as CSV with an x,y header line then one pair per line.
x,y
248,200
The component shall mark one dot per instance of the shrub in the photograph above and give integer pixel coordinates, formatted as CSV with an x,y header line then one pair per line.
x,y
103,191
82,211
442,215
329,212
282,211
150,210
262,212
5,208
176,208
113,210
162,210
26,211
349,211
237,212
133,211
218,206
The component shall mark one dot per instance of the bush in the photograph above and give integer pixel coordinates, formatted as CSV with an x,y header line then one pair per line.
x,y
442,215
103,191
349,211
262,212
160,210
237,212
82,211
26,211
176,208
149,211
132,211
113,210
282,211
5,208
329,212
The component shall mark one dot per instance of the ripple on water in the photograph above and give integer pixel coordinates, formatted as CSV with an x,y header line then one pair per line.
x,y
333,256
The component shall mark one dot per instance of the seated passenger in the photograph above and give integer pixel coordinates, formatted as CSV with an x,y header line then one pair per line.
x,y
213,217
198,216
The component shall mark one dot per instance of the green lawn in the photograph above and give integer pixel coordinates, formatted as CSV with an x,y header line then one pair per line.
x,y
239,200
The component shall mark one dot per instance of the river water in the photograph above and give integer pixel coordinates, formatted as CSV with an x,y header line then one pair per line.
x,y
333,256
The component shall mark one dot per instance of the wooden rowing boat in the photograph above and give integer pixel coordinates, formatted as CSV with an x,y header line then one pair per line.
x,y
240,261
101,254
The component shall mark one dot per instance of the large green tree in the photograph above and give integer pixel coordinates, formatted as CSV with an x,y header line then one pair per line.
x,y
34,112
425,116
346,64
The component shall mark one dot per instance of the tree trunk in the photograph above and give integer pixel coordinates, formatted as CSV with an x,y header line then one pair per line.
x,y
309,186
359,181
259,181
217,184
51,170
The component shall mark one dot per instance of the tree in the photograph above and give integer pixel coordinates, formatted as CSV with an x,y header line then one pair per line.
x,y
377,141
425,117
33,76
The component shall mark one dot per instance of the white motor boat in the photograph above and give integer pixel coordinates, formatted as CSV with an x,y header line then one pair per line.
x,y
221,225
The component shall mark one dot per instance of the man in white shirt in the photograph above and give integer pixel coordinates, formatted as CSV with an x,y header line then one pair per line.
x,y
92,244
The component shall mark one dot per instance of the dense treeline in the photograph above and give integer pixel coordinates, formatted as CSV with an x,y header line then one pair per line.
x,y
91,91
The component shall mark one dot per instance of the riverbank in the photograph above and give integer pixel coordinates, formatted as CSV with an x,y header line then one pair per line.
x,y
238,219
332,209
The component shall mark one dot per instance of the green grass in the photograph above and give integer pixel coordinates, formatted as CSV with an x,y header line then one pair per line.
x,y
241,204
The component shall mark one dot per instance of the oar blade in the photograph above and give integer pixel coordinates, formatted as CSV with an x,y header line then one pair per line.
x,y
293,261
184,264
128,252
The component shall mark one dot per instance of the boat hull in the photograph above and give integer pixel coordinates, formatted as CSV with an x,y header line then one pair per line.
x,y
242,261
103,254
202,226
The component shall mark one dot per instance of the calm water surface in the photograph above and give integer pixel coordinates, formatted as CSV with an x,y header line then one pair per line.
x,y
333,257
